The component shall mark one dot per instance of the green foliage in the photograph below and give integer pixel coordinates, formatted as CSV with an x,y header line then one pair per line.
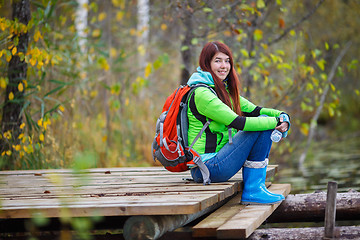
x,y
98,98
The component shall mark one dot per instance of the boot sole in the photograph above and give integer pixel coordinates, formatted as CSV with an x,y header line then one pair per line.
x,y
256,203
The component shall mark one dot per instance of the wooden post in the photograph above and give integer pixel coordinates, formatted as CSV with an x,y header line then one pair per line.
x,y
330,210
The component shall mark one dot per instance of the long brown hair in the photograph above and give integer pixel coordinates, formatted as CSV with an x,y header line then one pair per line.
x,y
206,55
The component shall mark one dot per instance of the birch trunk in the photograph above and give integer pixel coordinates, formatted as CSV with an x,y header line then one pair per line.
x,y
143,27
81,23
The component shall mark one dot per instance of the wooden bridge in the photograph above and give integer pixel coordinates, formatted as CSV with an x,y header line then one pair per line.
x,y
153,200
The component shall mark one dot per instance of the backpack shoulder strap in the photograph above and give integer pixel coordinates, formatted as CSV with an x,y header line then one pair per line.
x,y
193,88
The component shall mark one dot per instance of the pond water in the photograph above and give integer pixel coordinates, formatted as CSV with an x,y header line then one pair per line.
x,y
331,160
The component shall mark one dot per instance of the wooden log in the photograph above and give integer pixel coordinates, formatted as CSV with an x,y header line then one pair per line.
x,y
311,207
330,210
153,227
345,232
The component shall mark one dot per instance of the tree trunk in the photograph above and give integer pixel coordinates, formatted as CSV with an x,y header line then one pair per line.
x,y
311,208
186,54
12,119
81,24
143,7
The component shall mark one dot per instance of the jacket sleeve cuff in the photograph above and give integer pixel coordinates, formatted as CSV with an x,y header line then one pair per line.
x,y
238,123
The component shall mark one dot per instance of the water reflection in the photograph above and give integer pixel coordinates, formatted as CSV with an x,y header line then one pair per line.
x,y
336,161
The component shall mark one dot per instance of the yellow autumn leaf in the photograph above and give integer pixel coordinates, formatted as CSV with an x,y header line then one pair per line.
x,y
7,135
32,61
11,96
113,52
46,123
96,33
141,50
163,26
41,137
17,147
3,83
258,34
93,93
260,4
8,57
61,108
40,122
132,31
148,70
301,58
22,125
332,87
37,36
101,16
21,136
25,83
20,87
8,152
104,138
119,15
14,51
103,63
29,149
304,129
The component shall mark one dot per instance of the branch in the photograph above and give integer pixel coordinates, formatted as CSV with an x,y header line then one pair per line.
x,y
296,24
322,101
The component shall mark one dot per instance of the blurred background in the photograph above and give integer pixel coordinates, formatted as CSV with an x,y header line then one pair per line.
x,y
83,82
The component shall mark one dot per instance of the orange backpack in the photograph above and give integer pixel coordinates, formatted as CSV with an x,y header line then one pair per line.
x,y
170,145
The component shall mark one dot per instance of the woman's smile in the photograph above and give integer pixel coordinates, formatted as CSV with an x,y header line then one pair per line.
x,y
220,65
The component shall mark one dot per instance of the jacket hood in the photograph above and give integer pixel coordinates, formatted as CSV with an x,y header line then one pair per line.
x,y
201,77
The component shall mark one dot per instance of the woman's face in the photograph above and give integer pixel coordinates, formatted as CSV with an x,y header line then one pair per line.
x,y
220,65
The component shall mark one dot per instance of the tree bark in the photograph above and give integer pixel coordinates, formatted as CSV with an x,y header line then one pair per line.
x,y
311,208
81,24
12,119
187,53
143,27
347,232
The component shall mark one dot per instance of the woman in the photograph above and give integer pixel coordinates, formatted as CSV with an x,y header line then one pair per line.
x,y
250,133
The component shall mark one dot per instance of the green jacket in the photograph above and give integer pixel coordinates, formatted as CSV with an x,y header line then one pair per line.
x,y
204,105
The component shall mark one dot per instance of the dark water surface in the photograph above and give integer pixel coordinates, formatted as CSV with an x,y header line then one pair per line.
x,y
330,160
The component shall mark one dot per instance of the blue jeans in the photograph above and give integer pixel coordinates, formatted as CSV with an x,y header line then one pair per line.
x,y
253,146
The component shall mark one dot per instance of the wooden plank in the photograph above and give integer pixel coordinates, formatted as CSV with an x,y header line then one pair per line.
x,y
123,191
106,171
208,226
243,224
126,209
53,191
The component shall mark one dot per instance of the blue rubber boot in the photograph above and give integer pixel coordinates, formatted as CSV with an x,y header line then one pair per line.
x,y
263,186
255,191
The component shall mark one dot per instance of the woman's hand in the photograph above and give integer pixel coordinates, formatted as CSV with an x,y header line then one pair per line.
x,y
283,127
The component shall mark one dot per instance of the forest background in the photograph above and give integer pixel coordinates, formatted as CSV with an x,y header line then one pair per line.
x,y
83,82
